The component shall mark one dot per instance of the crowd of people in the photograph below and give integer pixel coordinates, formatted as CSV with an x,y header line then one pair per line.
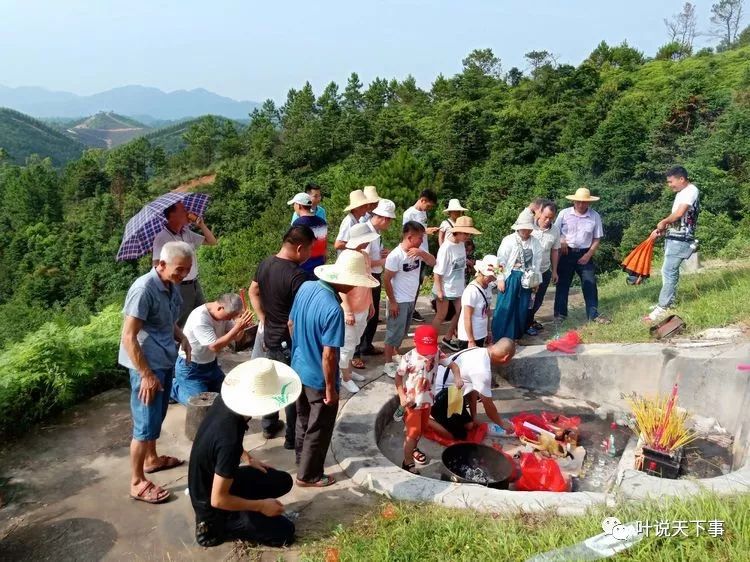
x,y
316,323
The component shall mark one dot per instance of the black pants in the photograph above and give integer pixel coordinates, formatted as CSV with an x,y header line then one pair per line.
x,y
567,267
465,344
454,424
252,484
539,296
372,324
315,421
268,421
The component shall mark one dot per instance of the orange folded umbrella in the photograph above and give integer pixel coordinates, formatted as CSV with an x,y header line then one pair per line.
x,y
638,263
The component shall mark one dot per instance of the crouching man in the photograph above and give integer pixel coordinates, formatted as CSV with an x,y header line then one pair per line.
x,y
475,365
234,502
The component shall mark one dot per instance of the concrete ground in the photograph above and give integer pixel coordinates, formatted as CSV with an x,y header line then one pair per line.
x,y
65,487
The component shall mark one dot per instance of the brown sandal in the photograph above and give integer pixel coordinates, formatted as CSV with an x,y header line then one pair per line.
x,y
165,463
358,363
151,493
324,481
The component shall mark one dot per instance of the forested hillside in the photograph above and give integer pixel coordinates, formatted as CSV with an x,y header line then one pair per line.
x,y
21,136
493,137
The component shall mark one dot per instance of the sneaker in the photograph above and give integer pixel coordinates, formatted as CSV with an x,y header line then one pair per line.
x,y
416,316
451,344
357,377
531,331
655,314
398,415
351,386
390,369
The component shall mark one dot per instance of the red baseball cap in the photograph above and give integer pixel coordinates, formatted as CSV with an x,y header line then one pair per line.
x,y
426,340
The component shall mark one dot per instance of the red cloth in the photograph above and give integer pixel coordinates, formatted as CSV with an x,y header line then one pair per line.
x,y
476,435
566,343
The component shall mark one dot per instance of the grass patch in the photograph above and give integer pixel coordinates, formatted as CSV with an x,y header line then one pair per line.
x,y
711,298
405,532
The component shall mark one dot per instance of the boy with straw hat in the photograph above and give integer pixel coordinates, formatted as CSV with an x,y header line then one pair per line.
x,y
448,275
357,207
454,210
317,326
580,233
233,502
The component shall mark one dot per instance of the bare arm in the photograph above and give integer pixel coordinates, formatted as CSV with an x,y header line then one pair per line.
x,y
210,239
674,217
254,294
427,257
150,385
457,380
330,368
222,499
491,410
468,312
437,280
554,260
244,321
340,244
184,343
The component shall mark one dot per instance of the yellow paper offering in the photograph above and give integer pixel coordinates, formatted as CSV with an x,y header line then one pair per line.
x,y
455,400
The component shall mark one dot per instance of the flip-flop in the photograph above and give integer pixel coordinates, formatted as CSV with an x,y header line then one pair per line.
x,y
324,481
419,457
373,351
357,363
151,493
166,463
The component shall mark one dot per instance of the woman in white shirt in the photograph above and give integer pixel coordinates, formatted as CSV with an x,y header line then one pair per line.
x,y
518,253
454,210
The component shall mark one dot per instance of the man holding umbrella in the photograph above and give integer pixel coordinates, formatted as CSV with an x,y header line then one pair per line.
x,y
177,229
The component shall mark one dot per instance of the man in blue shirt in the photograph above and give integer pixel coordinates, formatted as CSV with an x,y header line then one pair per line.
x,y
148,351
317,321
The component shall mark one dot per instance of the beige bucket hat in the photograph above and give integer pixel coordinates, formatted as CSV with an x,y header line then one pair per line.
x,y
360,234
371,192
455,205
259,387
386,208
350,269
582,194
524,222
487,266
465,224
357,198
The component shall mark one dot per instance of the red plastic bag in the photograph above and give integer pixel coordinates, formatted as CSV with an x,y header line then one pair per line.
x,y
540,475
566,343
534,419
476,435
558,421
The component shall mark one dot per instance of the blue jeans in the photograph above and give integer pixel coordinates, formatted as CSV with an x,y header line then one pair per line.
x,y
147,418
567,267
193,378
675,252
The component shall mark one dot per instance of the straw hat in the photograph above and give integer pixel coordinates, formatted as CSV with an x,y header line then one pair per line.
x,y
360,234
454,205
582,194
371,193
465,224
259,387
357,198
301,199
386,208
487,266
350,269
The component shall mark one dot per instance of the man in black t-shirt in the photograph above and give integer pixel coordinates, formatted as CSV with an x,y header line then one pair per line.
x,y
232,501
272,293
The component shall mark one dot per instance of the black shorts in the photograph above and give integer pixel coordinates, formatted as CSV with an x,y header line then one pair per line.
x,y
455,424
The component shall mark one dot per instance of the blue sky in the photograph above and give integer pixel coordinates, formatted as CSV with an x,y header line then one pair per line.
x,y
254,50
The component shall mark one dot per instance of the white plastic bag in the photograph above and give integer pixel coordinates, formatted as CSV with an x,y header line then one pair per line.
x,y
259,350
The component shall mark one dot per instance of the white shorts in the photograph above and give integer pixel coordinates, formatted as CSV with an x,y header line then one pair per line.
x,y
352,335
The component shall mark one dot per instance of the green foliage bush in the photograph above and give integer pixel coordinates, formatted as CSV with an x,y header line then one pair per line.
x,y
56,366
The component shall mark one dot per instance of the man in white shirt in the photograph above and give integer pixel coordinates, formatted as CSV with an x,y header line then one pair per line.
x,y
548,234
475,365
357,207
418,213
381,219
679,231
177,229
401,282
209,329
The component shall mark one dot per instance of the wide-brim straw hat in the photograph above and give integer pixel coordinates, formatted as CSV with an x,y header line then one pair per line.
x,y
350,269
357,198
455,205
360,234
371,193
582,194
259,387
465,224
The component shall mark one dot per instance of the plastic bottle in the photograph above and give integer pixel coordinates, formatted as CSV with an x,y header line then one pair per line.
x,y
611,450
398,415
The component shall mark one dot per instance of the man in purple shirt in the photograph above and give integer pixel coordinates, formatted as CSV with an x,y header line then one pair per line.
x,y
581,230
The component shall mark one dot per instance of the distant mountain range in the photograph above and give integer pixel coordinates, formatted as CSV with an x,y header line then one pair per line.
x,y
144,103
105,130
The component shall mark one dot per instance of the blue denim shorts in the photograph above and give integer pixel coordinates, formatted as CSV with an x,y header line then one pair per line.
x,y
147,418
193,378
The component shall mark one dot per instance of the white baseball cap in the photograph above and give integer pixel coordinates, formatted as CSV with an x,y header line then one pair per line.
x,y
301,199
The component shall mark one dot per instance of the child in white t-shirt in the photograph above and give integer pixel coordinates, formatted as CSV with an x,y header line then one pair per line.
x,y
473,329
